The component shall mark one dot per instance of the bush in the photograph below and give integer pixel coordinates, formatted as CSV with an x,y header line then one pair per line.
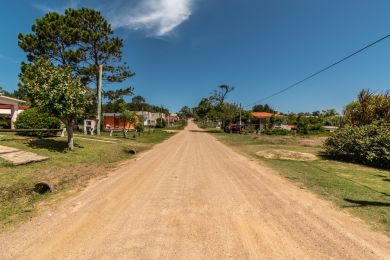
x,y
160,123
250,128
3,123
183,122
277,131
33,119
140,128
369,144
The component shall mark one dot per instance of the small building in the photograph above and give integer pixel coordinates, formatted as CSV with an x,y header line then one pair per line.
x,y
149,118
113,121
264,118
171,119
154,116
10,108
144,116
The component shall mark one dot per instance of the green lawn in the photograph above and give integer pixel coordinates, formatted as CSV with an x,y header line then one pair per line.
x,y
362,191
69,170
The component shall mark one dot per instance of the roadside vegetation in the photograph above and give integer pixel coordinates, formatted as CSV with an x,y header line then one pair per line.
x,y
363,191
330,163
67,171
366,137
59,82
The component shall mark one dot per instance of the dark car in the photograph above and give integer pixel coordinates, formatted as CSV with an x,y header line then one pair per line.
x,y
234,128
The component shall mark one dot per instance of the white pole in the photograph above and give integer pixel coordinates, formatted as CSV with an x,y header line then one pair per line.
x,y
99,101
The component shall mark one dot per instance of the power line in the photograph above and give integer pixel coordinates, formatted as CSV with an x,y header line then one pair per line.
x,y
322,70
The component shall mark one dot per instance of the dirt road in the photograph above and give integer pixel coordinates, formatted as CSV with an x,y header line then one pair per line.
x,y
192,197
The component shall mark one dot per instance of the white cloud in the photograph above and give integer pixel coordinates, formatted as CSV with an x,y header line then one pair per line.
x,y
59,9
156,17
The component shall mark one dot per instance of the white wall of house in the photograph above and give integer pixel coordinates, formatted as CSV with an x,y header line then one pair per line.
x,y
7,112
150,119
14,111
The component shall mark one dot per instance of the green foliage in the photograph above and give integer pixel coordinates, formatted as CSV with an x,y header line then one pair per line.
x,y
125,117
138,103
81,39
4,123
183,122
276,131
160,123
185,112
307,124
368,108
204,108
263,108
138,100
56,91
250,128
116,95
15,94
33,119
368,144
140,128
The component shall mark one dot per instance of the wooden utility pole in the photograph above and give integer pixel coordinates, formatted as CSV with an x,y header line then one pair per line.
x,y
99,101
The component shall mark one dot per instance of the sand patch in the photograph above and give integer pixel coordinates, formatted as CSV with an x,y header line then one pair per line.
x,y
286,155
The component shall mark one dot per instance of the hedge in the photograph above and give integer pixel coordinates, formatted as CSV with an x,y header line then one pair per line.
x,y
369,144
33,119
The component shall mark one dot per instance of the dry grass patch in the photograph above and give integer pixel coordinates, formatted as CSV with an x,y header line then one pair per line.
x,y
286,155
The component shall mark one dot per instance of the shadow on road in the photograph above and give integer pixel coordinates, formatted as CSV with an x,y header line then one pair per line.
x,y
206,131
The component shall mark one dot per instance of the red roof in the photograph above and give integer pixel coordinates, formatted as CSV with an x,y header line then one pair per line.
x,y
5,106
171,117
265,115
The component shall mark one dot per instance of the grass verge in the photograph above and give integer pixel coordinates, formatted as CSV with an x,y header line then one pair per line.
x,y
93,156
360,190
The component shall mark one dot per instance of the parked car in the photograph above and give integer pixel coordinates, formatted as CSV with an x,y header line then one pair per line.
x,y
234,128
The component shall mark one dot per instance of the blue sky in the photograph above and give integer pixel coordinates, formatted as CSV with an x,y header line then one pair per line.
x,y
182,49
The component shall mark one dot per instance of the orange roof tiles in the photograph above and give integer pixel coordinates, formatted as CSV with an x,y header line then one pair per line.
x,y
265,115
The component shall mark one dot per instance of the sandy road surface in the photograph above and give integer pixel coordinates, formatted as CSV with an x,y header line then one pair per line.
x,y
194,198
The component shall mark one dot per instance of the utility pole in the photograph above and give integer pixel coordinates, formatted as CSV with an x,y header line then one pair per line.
x,y
99,101
240,116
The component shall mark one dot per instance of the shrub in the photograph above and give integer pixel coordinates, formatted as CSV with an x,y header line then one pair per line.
x,y
250,128
33,119
277,131
183,122
160,123
140,128
3,123
369,144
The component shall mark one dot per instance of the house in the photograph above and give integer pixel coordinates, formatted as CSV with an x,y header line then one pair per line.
x,y
113,121
10,108
172,118
153,118
144,116
264,118
149,118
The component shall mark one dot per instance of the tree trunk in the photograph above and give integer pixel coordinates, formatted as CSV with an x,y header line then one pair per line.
x,y
69,130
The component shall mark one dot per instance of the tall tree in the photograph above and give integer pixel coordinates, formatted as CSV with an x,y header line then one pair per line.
x,y
81,39
185,112
138,100
368,107
219,95
55,90
263,108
